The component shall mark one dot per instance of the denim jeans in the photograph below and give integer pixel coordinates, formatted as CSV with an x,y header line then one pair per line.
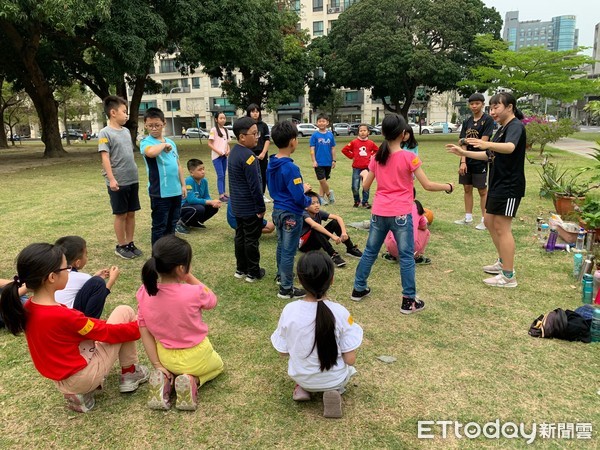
x,y
221,168
289,228
165,215
402,228
356,185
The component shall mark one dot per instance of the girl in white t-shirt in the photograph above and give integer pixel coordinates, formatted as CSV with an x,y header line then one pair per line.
x,y
218,141
319,336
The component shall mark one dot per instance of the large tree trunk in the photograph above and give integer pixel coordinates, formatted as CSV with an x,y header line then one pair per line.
x,y
3,139
134,107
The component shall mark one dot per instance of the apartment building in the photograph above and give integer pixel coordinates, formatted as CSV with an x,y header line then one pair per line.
x,y
557,34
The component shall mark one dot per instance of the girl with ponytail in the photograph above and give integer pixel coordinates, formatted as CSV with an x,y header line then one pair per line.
x,y
319,336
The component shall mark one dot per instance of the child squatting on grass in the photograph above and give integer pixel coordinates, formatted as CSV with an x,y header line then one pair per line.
x,y
173,333
75,351
321,360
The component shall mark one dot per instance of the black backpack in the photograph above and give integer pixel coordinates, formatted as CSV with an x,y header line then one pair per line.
x,y
560,324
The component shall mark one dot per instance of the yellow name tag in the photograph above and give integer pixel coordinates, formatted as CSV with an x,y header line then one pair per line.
x,y
415,161
188,187
350,320
87,328
297,180
103,141
250,160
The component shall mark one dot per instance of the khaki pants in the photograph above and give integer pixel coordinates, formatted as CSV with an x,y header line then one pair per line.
x,y
103,359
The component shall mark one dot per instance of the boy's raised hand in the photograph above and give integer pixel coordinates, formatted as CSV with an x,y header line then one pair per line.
x,y
307,187
113,273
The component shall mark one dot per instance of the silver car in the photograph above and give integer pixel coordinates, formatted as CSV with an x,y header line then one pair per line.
x,y
196,133
341,129
306,129
438,127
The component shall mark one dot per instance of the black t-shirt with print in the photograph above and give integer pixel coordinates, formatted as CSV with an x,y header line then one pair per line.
x,y
507,171
477,129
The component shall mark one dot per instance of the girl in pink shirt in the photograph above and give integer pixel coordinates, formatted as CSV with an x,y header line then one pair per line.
x,y
393,168
171,326
218,141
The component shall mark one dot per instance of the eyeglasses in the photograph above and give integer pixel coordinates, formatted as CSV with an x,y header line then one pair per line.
x,y
255,134
154,126
68,269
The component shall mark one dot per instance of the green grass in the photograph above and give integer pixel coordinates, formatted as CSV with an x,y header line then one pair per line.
x,y
467,357
586,136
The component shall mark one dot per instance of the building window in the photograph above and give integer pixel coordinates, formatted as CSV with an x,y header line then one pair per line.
x,y
145,105
222,102
167,66
152,69
317,5
214,82
168,85
196,83
296,6
184,83
173,105
351,96
318,28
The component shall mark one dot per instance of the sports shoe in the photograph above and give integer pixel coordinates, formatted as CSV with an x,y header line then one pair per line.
x,y
131,381
278,279
133,249
323,200
501,281
300,395
366,205
411,305
463,221
239,274
331,197
159,391
356,204
187,393
181,228
292,292
253,278
422,260
480,226
80,402
354,251
332,404
357,296
124,252
337,260
223,199
389,258
493,268
267,199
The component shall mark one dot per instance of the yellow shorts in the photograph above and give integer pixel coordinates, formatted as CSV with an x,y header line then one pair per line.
x,y
201,361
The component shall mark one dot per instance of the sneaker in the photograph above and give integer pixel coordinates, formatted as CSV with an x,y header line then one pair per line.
x,y
366,205
187,393
323,200
331,197
422,260
131,381
124,252
493,268
357,296
181,229
411,305
463,221
292,292
80,402
253,278
337,260
389,258
133,249
159,392
356,204
501,281
239,274
223,199
267,199
354,251
480,226
332,404
278,279
300,395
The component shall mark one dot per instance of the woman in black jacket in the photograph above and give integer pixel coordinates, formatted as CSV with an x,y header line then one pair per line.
x,y
264,141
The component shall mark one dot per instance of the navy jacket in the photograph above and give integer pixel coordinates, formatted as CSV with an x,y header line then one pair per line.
x,y
245,184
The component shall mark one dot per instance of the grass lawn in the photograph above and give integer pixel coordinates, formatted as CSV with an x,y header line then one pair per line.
x,y
586,136
466,358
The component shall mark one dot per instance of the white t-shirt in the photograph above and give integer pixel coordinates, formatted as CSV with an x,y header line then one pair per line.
x,y
75,283
219,142
295,334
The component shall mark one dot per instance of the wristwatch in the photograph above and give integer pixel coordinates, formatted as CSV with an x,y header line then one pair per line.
x,y
462,141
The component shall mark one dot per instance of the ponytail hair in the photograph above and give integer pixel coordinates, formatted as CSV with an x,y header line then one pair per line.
x,y
506,98
315,272
168,253
34,264
392,127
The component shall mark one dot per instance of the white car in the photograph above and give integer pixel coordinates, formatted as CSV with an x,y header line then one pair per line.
x,y
196,133
424,128
438,127
306,129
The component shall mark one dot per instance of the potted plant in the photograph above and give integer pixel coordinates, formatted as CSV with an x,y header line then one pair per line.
x,y
590,214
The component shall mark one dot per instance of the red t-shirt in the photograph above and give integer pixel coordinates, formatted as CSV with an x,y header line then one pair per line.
x,y
54,332
360,152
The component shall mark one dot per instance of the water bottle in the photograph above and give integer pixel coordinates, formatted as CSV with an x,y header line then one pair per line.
x,y
579,245
577,263
551,240
586,288
596,285
595,327
544,232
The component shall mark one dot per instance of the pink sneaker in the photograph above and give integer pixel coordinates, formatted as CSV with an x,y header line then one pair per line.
x,y
159,393
187,393
300,395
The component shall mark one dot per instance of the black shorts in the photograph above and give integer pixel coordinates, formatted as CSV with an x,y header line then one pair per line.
x,y
125,200
478,180
502,206
323,172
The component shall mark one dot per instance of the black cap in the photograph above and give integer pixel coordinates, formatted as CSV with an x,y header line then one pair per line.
x,y
477,97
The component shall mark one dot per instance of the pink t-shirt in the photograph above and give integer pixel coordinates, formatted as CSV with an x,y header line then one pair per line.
x,y
394,195
174,315
219,142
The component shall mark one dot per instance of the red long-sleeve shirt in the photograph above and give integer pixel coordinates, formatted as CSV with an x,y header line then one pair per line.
x,y
54,332
360,152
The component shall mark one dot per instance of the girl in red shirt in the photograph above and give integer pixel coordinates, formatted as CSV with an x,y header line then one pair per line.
x,y
360,151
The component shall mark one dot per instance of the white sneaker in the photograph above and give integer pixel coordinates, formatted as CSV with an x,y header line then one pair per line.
x,y
131,381
501,281
463,221
480,226
493,268
323,200
267,199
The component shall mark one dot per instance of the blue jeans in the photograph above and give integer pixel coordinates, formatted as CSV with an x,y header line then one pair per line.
x,y
356,185
221,168
165,215
402,228
289,228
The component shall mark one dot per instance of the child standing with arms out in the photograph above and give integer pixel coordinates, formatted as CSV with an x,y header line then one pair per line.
x,y
121,173
218,142
197,207
173,333
360,151
166,184
287,189
322,153
393,168
84,292
75,351
319,336
262,146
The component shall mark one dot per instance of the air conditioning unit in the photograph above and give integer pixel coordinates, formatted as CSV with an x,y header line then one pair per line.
x,y
333,10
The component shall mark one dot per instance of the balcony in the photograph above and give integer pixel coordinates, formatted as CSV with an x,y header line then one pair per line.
x,y
335,9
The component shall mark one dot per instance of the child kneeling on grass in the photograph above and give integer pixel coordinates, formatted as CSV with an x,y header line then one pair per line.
x,y
75,351
321,360
173,333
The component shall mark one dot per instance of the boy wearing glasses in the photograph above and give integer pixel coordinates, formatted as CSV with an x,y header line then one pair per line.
x,y
166,183
246,200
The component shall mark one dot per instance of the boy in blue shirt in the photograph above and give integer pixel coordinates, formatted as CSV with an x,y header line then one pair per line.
x,y
287,190
197,207
322,152
166,185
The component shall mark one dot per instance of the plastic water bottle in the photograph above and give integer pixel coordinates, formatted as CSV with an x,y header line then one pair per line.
x,y
595,327
596,285
544,232
580,244
586,288
577,263
551,240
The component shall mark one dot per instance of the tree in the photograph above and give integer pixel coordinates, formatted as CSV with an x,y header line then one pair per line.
x,y
533,70
593,109
8,99
74,102
394,46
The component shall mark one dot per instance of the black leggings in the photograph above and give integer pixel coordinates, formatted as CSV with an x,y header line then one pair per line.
x,y
317,241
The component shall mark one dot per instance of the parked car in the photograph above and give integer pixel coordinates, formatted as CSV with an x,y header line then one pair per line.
x,y
196,133
76,134
341,129
425,129
438,127
306,129
354,129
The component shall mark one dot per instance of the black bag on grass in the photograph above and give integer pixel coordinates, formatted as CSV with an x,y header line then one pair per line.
x,y
560,324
